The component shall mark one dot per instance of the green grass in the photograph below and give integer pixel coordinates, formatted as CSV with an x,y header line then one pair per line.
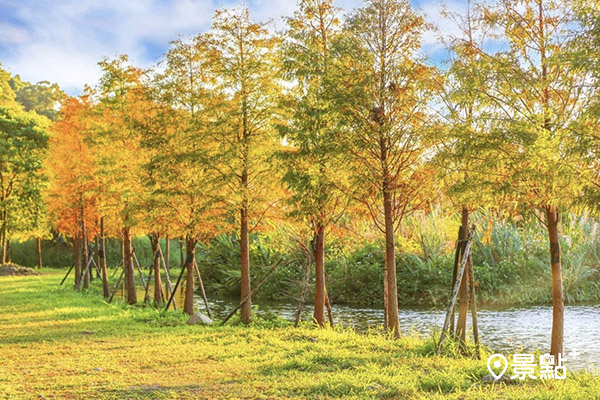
x,y
58,344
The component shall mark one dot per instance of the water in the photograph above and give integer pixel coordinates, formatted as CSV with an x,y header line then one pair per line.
x,y
504,330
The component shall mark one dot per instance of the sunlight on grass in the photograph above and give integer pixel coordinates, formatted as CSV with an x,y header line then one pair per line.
x,y
74,345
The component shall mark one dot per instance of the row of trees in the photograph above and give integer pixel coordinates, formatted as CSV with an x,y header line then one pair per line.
x,y
237,126
26,112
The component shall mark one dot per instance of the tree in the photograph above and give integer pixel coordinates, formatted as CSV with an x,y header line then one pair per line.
x,y
181,177
120,156
23,142
465,142
384,93
42,97
7,94
537,96
70,169
587,56
313,158
246,72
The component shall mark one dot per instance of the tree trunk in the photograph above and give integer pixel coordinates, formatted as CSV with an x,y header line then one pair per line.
x,y
463,291
319,312
122,253
102,260
3,237
190,285
167,253
246,313
97,251
39,252
181,256
77,259
393,320
558,301
385,294
128,266
85,254
155,242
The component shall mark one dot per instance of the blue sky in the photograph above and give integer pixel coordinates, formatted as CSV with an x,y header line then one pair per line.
x,y
62,40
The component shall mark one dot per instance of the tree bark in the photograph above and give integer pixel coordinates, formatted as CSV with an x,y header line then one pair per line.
x,y
122,253
85,254
77,259
3,237
97,251
319,312
102,260
246,313
385,294
558,301
154,241
463,291
128,266
181,255
190,285
39,252
167,253
393,320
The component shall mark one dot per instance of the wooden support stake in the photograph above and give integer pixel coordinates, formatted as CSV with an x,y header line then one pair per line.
x,y
167,275
116,269
176,286
473,306
117,285
328,305
459,276
251,292
459,249
202,288
86,271
97,267
68,272
306,281
146,294
139,268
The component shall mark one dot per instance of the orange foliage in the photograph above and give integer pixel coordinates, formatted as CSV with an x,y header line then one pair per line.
x,y
70,168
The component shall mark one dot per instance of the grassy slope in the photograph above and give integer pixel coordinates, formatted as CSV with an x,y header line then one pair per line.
x,y
55,343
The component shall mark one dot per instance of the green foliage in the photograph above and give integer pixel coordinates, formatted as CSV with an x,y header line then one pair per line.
x,y
23,141
510,262
41,97
357,278
313,157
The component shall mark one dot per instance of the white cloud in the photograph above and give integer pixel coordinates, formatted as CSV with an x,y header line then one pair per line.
x,y
12,34
444,26
63,41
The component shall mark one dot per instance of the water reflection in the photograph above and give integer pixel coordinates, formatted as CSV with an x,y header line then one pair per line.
x,y
505,330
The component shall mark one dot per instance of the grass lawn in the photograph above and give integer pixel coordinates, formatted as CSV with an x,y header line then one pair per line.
x,y
58,344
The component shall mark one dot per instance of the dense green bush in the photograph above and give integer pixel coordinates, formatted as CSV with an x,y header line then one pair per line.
x,y
510,262
58,252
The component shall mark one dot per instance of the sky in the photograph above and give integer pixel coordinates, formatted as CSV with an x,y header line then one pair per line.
x,y
62,40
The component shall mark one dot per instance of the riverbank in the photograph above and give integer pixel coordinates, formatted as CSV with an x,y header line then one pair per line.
x,y
511,262
58,344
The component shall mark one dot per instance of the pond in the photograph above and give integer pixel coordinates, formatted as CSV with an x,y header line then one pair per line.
x,y
504,330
